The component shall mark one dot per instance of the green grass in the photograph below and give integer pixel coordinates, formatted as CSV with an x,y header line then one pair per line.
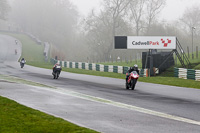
x,y
16,118
194,62
197,67
173,81
31,51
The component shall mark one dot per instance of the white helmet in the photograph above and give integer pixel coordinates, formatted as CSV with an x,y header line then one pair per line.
x,y
135,65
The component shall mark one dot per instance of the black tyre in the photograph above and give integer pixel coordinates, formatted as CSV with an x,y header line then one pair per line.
x,y
22,65
132,84
57,75
127,87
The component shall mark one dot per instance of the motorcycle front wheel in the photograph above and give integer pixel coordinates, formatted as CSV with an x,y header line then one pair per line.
x,y
57,75
127,86
133,84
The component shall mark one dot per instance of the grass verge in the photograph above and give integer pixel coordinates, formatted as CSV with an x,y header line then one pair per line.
x,y
16,118
31,51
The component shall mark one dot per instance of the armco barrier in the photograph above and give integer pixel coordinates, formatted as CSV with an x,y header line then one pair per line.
x,y
176,72
190,74
73,65
106,68
187,73
97,67
80,65
93,66
87,66
197,75
120,69
76,65
65,64
90,66
110,68
183,73
101,68
83,65
70,64
115,69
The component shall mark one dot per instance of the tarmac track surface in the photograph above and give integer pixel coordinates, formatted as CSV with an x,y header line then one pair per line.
x,y
101,103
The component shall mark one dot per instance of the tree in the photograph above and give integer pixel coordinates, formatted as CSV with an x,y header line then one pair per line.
x,y
4,8
102,28
113,14
137,12
191,18
154,7
144,12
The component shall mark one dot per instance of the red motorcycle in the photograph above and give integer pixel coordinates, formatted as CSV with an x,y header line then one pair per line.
x,y
132,80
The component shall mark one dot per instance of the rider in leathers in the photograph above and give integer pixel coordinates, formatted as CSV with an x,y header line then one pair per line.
x,y
134,68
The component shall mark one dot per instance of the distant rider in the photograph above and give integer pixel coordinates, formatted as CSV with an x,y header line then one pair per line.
x,y
55,67
131,69
23,61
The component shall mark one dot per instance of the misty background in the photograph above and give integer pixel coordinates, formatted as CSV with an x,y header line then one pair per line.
x,y
78,37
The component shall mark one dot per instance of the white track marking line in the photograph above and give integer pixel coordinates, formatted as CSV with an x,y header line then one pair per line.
x,y
118,104
125,106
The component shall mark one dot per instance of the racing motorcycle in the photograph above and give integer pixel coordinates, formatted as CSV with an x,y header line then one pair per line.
x,y
22,63
56,72
132,80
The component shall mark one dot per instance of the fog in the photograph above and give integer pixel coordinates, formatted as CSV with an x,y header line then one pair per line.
x,y
75,37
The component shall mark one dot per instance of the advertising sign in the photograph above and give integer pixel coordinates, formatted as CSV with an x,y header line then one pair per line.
x,y
151,42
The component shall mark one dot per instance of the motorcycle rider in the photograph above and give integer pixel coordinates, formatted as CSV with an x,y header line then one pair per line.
x,y
131,69
56,66
22,62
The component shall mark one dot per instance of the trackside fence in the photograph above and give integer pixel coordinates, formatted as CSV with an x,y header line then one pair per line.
x,y
187,73
97,67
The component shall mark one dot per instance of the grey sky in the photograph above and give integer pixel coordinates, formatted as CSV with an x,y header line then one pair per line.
x,y
172,11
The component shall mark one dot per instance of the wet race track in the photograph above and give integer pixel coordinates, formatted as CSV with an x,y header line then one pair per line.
x,y
100,103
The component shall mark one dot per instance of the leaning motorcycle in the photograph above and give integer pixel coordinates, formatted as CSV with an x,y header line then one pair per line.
x,y
132,80
56,72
